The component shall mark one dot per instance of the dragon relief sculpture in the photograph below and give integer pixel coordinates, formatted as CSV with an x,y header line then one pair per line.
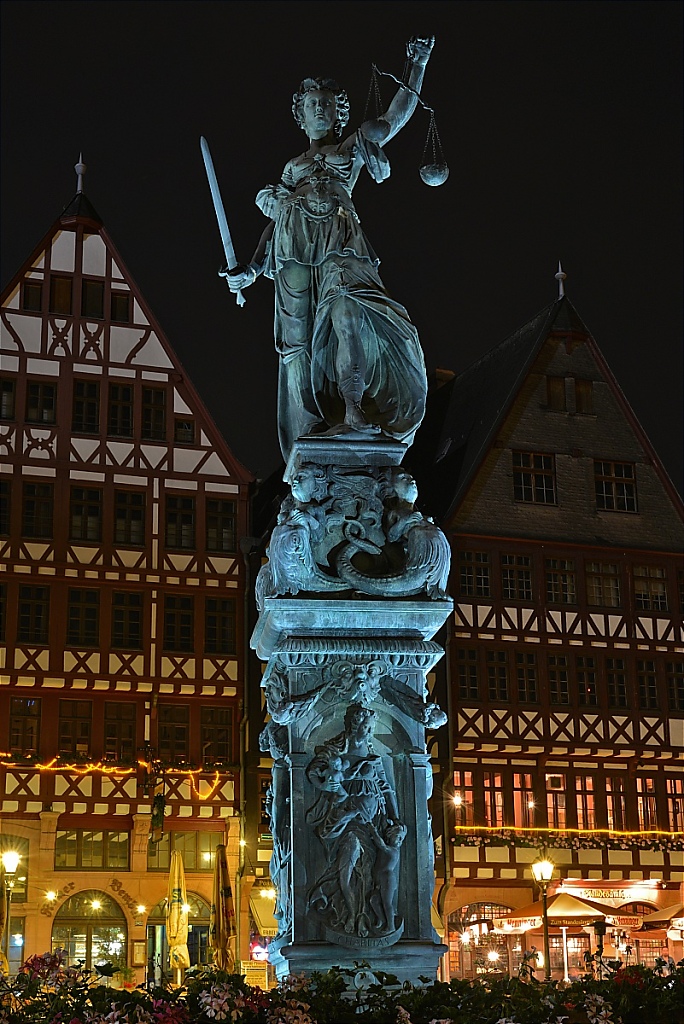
x,y
354,530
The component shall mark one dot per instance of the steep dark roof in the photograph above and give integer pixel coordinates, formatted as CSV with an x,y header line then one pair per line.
x,y
463,415
80,206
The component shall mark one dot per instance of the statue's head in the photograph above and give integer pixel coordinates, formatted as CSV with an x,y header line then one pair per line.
x,y
336,104
401,484
359,721
308,484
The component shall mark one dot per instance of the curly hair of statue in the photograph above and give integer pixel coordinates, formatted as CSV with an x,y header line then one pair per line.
x,y
322,85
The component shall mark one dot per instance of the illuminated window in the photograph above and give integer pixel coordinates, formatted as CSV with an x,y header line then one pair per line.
x,y
560,581
85,415
647,683
75,724
154,414
7,398
468,685
81,848
534,478
555,801
221,525
24,725
127,621
179,623
587,693
675,684
559,682
603,584
219,625
198,850
650,588
585,802
516,577
526,671
497,675
474,573
523,800
120,410
617,683
129,518
41,402
647,804
83,618
615,486
675,804
174,733
119,730
86,514
493,799
34,615
463,797
216,735
180,521
616,803
92,299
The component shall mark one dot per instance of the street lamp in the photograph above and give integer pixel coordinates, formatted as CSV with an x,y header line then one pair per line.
x,y
10,863
542,872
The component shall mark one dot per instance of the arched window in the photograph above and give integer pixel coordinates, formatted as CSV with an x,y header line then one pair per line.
x,y
473,948
198,937
91,928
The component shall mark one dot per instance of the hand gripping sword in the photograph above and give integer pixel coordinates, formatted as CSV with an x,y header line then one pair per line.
x,y
220,213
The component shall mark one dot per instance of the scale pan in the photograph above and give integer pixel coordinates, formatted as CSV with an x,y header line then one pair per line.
x,y
434,174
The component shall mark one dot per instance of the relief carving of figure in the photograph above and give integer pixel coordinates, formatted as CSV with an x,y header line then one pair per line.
x,y
350,359
355,817
292,565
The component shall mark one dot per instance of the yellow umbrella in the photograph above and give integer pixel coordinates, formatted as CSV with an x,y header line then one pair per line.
x,y
177,915
222,925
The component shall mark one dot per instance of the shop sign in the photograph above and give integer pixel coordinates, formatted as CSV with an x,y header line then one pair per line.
x,y
611,896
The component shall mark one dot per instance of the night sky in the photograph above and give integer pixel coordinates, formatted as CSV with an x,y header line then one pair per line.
x,y
561,123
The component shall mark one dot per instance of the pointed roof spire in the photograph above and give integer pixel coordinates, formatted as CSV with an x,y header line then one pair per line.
x,y
80,169
560,277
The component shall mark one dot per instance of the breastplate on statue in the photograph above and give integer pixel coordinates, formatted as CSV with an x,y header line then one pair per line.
x,y
317,199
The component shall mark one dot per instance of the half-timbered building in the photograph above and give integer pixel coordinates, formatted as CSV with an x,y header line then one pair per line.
x,y
122,590
565,664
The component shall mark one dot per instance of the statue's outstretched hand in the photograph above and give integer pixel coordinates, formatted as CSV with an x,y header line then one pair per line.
x,y
239,277
419,49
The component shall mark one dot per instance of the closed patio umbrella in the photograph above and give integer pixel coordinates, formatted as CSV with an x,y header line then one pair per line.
x,y
222,925
4,965
177,916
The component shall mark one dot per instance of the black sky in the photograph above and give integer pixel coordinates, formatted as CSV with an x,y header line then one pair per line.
x,y
561,122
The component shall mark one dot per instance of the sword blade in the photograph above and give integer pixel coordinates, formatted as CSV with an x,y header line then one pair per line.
x,y
224,230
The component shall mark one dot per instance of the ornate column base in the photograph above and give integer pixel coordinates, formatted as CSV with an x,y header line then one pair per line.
x,y
408,960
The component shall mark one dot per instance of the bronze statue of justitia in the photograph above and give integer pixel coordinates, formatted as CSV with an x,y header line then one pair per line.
x,y
350,359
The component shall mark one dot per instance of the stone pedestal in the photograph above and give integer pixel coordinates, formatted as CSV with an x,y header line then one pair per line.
x,y
346,693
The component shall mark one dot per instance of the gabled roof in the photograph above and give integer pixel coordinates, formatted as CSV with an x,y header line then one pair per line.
x,y
80,213
464,415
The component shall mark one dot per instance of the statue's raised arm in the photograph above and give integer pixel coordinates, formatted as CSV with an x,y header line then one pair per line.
x,y
405,100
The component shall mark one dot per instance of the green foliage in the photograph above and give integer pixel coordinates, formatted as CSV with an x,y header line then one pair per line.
x,y
48,992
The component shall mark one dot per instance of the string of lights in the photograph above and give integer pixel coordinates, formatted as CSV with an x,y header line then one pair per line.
x,y
99,767
566,831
